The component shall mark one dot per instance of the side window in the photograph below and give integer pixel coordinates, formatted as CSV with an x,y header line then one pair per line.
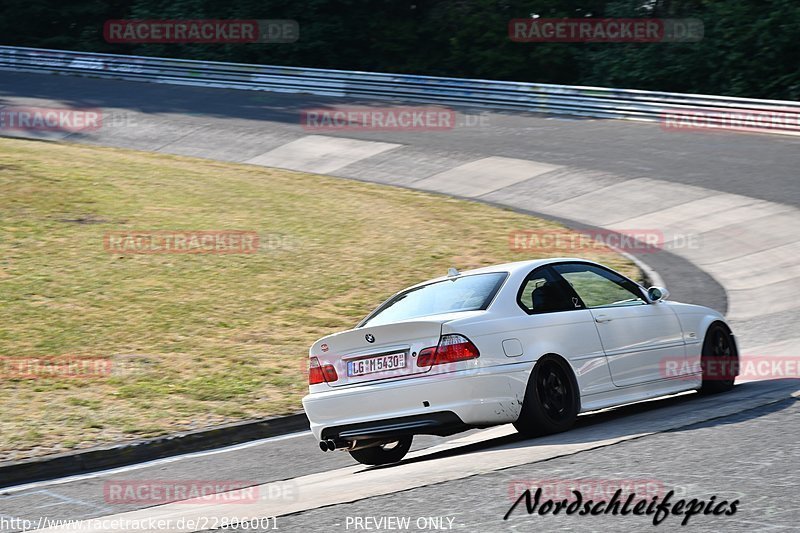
x,y
598,287
543,292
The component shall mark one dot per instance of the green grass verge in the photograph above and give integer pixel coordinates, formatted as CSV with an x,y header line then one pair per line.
x,y
197,340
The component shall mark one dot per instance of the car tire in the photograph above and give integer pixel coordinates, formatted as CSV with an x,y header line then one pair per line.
x,y
390,452
551,401
717,347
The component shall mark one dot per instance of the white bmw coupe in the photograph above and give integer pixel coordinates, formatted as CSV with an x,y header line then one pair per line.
x,y
532,343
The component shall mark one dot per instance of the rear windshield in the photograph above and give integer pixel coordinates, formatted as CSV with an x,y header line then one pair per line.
x,y
467,293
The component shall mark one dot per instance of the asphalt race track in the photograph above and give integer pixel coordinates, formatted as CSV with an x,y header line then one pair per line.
x,y
727,203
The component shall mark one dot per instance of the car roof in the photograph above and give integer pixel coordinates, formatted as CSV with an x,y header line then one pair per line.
x,y
523,265
517,267
511,268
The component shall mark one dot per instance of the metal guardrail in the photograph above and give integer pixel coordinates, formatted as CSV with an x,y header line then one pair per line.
x,y
673,110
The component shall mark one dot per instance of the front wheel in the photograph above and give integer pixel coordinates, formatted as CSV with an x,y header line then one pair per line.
x,y
551,403
719,360
390,452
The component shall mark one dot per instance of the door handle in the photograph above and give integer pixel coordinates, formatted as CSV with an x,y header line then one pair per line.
x,y
602,318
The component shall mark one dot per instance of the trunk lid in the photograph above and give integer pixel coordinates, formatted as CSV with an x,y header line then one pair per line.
x,y
373,353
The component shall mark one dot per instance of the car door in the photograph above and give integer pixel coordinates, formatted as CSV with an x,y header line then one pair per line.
x,y
637,336
556,321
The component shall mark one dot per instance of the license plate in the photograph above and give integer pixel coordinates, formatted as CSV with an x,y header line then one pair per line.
x,y
373,365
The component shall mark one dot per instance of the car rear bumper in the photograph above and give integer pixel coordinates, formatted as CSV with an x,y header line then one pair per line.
x,y
439,423
438,404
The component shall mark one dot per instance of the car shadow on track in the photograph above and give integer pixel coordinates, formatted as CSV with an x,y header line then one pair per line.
x,y
640,418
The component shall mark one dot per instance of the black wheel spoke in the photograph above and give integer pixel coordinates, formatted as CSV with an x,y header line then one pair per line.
x,y
722,347
719,360
553,392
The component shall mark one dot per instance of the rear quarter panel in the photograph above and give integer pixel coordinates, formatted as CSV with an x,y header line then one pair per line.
x,y
571,334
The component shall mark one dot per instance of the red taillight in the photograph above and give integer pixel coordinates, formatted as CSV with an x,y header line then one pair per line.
x,y
426,357
320,374
452,348
330,373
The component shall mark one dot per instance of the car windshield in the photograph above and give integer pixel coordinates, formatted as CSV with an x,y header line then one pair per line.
x,y
467,293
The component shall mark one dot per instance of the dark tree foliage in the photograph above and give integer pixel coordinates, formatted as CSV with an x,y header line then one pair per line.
x,y
749,46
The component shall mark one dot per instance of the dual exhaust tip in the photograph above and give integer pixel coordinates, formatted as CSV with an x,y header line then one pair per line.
x,y
327,445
